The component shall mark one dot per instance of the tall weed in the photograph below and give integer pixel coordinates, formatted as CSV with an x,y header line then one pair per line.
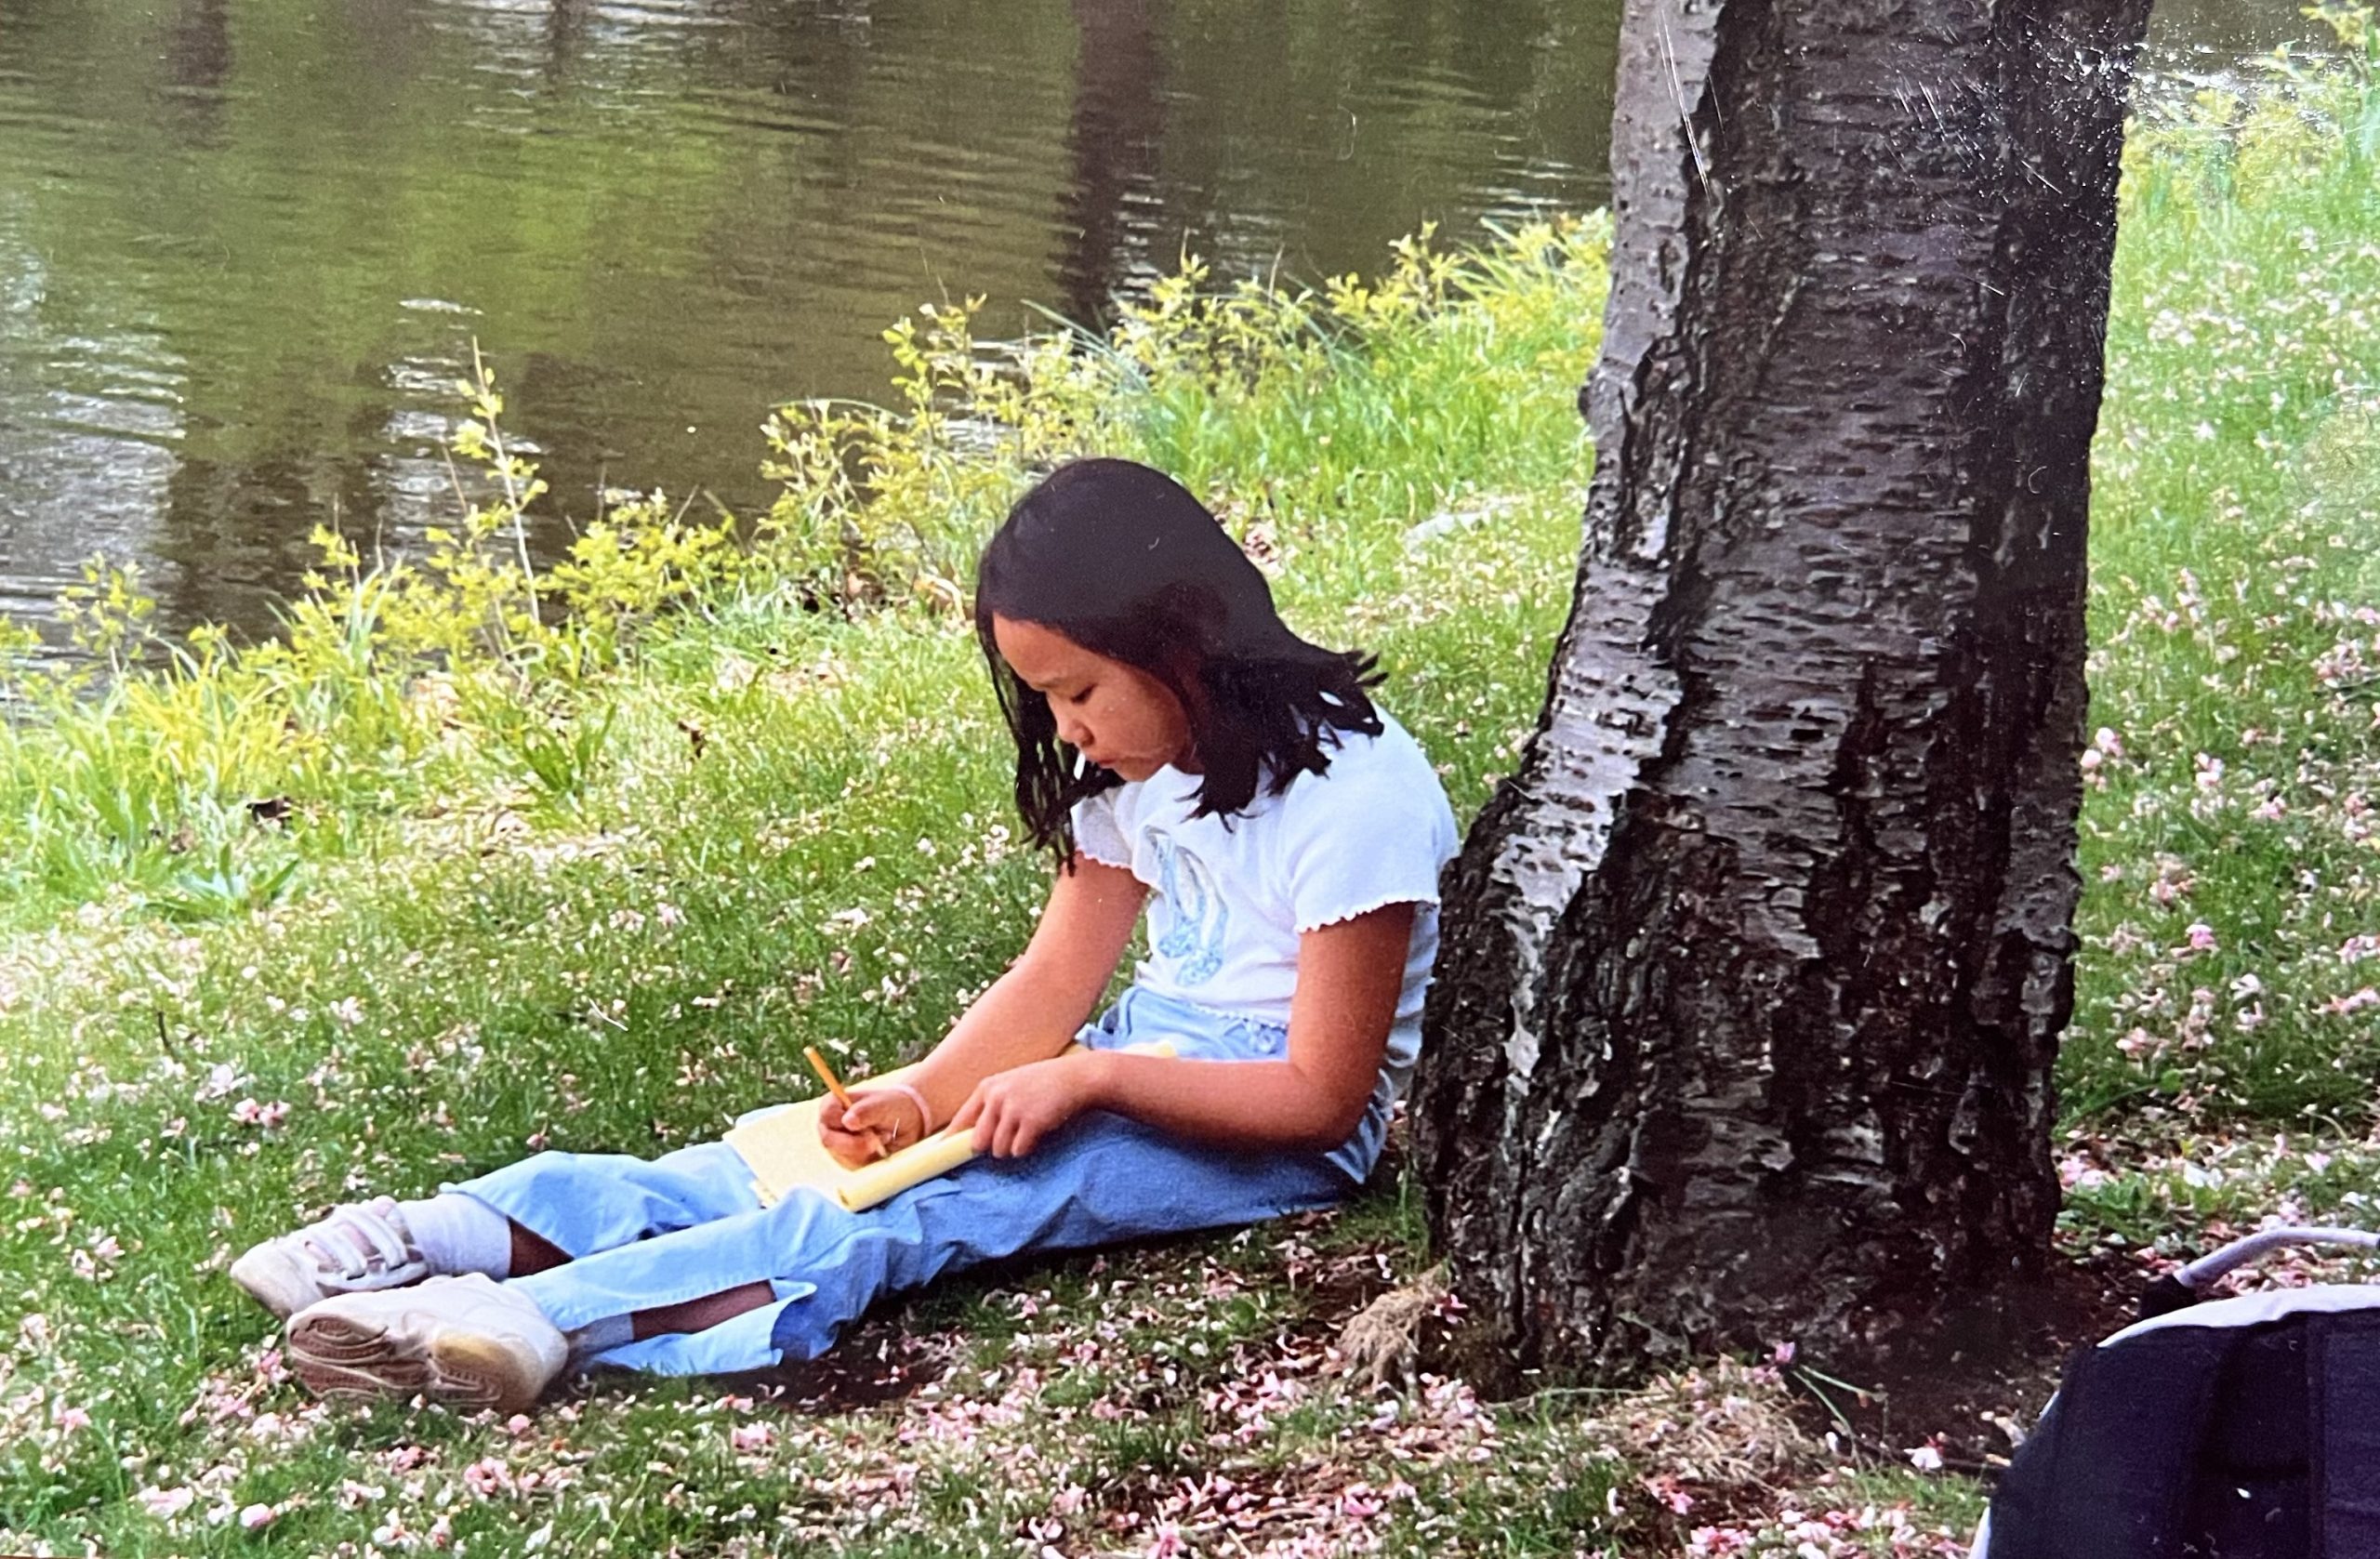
x,y
402,685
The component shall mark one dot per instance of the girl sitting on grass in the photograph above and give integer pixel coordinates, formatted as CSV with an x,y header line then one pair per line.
x,y
1178,746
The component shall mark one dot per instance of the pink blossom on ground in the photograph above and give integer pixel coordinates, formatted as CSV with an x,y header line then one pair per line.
x,y
255,1517
167,1503
1357,1502
1670,1492
489,1477
2074,1170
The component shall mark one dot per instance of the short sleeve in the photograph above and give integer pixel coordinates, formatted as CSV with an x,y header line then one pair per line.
x,y
1097,834
1376,831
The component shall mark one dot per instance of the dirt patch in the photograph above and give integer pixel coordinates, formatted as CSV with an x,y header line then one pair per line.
x,y
1962,1383
880,1362
889,1356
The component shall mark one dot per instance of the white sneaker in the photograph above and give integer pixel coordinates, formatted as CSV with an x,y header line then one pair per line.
x,y
357,1249
468,1341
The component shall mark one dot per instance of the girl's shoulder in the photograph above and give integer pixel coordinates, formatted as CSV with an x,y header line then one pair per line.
x,y
1373,828
1389,769
1392,751
1366,775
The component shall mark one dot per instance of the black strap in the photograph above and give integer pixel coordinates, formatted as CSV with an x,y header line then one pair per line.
x,y
2106,1473
2343,1383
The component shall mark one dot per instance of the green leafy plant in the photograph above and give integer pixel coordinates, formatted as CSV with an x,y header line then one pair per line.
x,y
563,758
109,615
223,889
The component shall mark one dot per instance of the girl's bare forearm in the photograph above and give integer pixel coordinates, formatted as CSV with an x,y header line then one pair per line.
x,y
1024,1017
1230,1103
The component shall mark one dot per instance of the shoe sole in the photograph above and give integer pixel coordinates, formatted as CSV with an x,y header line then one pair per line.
x,y
339,1357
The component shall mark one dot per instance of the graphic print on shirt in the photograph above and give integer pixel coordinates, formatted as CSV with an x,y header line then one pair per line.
x,y
1195,913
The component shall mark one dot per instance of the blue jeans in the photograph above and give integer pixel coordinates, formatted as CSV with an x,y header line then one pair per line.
x,y
641,1234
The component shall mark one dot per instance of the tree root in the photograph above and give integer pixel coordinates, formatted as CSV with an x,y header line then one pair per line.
x,y
1382,1341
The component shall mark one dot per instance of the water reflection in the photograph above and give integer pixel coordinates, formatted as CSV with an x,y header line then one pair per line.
x,y
245,245
565,36
198,61
1111,140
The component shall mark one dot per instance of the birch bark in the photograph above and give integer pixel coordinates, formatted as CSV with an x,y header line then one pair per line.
x,y
1756,968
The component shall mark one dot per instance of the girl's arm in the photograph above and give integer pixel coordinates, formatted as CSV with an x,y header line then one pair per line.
x,y
1029,1013
1349,975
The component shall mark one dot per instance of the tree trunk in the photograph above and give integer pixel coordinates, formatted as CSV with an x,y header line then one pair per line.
x,y
1754,971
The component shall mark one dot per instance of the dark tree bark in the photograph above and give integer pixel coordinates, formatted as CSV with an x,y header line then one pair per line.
x,y
1754,971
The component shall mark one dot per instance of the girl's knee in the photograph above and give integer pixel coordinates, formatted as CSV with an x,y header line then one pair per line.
x,y
582,1202
806,1221
538,1171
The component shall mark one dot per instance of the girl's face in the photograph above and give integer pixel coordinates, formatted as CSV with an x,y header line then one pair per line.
x,y
1117,716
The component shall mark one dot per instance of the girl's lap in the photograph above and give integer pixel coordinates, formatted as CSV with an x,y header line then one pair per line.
x,y
1105,1179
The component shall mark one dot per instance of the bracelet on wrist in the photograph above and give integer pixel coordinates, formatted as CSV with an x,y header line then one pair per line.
x,y
925,1111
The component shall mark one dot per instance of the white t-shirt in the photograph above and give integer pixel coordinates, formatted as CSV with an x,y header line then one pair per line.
x,y
1230,895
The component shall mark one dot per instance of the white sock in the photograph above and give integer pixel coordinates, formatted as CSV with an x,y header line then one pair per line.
x,y
458,1234
601,1336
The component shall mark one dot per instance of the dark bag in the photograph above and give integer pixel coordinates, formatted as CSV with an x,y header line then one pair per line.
x,y
2247,1428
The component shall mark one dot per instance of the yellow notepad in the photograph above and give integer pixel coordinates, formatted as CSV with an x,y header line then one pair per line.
x,y
782,1149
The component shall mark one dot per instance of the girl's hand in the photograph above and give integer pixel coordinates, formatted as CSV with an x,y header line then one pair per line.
x,y
877,1123
1013,1111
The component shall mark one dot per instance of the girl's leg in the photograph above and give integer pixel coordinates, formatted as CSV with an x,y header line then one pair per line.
x,y
1103,1180
531,1252
700,1315
563,1205
692,1278
485,1344
755,1287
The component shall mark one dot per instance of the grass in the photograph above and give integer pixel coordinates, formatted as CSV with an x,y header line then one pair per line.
x,y
452,873
2232,552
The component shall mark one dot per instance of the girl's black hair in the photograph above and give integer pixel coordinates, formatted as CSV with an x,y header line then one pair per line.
x,y
1124,562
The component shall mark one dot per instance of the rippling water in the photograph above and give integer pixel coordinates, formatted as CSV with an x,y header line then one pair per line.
x,y
246,245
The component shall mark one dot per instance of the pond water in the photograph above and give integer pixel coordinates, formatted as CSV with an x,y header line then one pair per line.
x,y
245,245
